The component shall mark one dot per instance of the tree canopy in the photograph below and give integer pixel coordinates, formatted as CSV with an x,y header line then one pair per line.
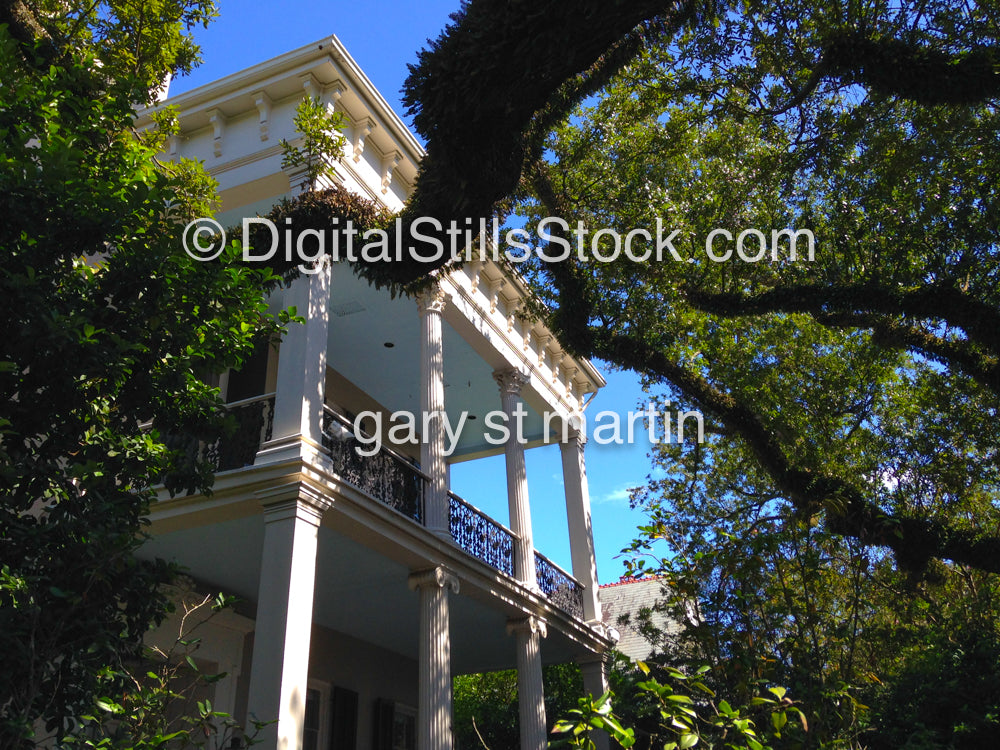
x,y
861,384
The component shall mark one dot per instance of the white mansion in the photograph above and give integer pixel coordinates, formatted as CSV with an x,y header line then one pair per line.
x,y
366,584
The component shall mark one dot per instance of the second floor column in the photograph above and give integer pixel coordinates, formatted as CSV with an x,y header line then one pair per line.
x,y
581,530
297,430
431,305
511,382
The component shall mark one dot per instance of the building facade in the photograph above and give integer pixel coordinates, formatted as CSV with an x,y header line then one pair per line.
x,y
635,608
365,583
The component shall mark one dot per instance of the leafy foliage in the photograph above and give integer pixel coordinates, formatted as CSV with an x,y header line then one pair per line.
x,y
685,713
111,328
874,656
486,709
831,373
319,141
160,708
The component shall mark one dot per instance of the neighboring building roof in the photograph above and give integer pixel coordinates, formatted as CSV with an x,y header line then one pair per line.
x,y
628,597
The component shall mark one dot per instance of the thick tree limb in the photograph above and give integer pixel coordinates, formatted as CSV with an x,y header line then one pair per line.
x,y
22,23
849,512
957,354
476,91
913,540
946,302
914,71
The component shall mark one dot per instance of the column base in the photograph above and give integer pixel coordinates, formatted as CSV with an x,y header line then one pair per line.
x,y
443,534
289,448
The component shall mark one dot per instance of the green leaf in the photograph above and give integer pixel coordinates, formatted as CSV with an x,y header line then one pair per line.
x,y
688,740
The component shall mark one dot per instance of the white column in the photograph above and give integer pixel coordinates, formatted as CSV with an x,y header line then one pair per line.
x,y
434,716
595,683
530,690
298,406
280,667
511,382
581,531
431,305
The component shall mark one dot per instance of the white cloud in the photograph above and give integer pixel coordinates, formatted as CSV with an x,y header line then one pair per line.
x,y
618,496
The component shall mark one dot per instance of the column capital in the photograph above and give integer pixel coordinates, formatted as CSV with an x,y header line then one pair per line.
x,y
438,576
575,435
587,660
529,625
432,299
511,381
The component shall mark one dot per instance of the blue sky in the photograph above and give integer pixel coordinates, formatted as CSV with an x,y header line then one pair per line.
x,y
384,36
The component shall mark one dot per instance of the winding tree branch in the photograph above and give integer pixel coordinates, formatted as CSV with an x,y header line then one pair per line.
x,y
849,512
979,321
983,369
22,23
914,71
476,91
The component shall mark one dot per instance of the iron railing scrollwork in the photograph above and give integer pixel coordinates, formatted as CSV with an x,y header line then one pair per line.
x,y
387,476
480,535
559,586
254,421
254,418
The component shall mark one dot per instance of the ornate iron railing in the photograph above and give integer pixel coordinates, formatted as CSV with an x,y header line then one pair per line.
x,y
480,535
387,476
395,481
493,543
254,419
559,586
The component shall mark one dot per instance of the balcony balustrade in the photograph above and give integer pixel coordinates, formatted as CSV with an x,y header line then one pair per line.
x,y
480,535
254,419
386,475
395,481
559,586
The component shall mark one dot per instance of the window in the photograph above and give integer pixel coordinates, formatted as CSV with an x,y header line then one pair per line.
x,y
404,728
313,723
395,726
331,718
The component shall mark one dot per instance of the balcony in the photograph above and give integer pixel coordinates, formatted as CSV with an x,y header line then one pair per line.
x,y
398,483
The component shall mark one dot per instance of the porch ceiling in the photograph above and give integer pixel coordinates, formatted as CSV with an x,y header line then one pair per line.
x,y
359,591
363,320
